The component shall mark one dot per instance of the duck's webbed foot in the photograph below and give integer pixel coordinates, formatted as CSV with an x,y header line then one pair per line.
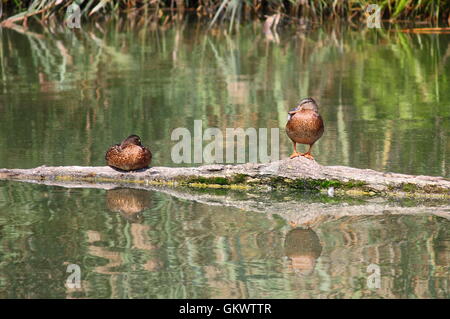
x,y
295,154
308,156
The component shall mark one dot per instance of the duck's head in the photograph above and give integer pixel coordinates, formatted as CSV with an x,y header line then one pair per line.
x,y
131,140
305,104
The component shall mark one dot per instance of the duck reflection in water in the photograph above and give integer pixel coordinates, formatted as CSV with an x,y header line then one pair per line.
x,y
130,203
303,248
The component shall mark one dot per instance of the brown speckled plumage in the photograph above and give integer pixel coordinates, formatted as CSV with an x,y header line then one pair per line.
x,y
129,155
304,126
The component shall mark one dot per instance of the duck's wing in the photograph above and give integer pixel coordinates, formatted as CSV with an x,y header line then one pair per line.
x,y
111,151
146,155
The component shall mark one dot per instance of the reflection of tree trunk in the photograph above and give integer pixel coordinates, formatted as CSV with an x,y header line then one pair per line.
x,y
140,236
387,144
341,127
342,134
180,9
271,23
175,47
443,61
114,258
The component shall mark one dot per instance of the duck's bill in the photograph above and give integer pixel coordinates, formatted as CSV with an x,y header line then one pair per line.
x,y
293,112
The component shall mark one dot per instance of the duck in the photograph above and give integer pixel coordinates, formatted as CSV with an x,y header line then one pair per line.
x,y
304,126
129,155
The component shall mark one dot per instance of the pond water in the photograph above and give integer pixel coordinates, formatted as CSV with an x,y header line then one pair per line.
x,y
140,244
65,96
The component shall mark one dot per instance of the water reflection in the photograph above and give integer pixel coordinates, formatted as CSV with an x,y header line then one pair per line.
x,y
184,249
130,203
302,247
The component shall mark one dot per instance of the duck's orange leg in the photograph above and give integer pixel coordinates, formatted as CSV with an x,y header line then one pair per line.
x,y
308,154
295,154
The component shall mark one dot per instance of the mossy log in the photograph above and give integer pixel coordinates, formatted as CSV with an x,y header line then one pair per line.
x,y
299,208
299,174
295,190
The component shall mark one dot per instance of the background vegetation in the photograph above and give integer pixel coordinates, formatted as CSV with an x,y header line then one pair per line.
x,y
234,10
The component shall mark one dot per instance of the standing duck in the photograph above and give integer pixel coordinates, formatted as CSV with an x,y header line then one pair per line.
x,y
129,155
304,126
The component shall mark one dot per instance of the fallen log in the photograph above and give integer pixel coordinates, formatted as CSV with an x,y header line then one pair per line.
x,y
298,174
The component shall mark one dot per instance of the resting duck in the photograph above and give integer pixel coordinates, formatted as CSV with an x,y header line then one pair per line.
x,y
129,155
304,126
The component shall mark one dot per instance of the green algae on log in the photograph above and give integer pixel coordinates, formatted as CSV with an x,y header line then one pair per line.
x,y
296,174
